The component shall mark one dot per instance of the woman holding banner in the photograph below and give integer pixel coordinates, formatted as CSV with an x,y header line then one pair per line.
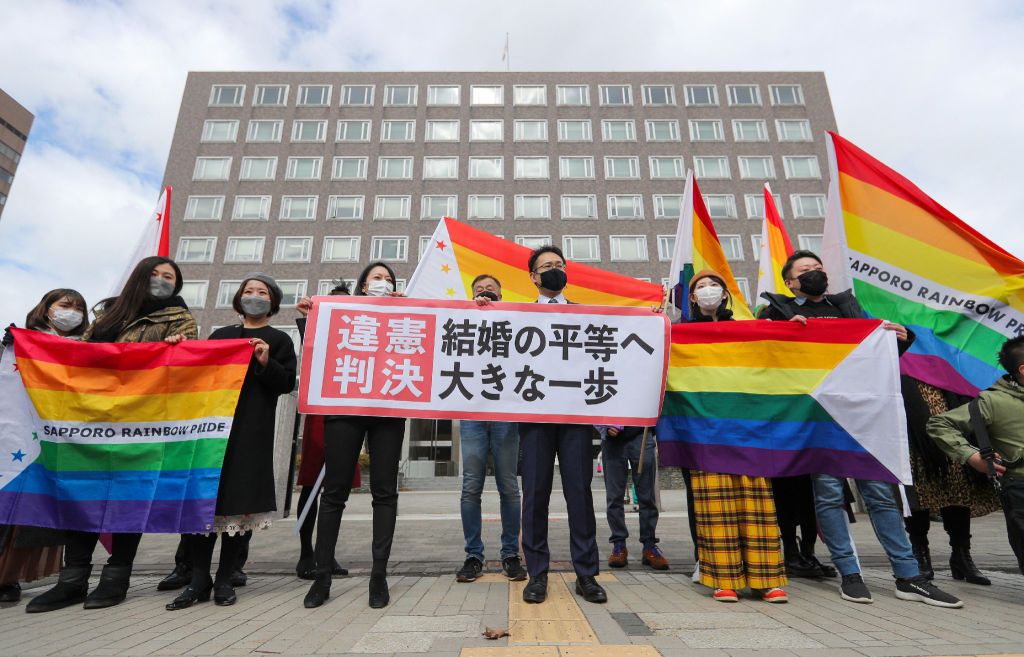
x,y
737,531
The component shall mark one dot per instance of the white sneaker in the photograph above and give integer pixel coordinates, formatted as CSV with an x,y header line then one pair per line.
x,y
696,574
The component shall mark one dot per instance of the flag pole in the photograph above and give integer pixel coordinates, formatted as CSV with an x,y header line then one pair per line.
x,y
508,53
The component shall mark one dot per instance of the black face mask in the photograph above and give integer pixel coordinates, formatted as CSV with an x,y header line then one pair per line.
x,y
813,283
553,279
487,294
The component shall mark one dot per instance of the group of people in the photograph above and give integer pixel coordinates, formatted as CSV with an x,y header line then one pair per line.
x,y
744,528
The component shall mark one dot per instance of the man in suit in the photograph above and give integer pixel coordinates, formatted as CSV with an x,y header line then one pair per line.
x,y
540,442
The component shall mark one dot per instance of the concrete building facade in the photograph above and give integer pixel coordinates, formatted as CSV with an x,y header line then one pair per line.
x,y
15,124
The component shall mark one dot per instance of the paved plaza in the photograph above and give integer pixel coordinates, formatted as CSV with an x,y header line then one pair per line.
x,y
647,614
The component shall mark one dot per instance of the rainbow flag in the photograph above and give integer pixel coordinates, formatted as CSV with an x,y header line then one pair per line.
x,y
458,253
913,262
775,249
115,437
776,399
697,247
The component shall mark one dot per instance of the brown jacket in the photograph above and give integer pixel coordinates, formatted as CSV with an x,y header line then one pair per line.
x,y
156,326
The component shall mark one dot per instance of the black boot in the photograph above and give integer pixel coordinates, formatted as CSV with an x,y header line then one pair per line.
x,y
112,589
918,523
72,586
10,592
319,591
961,566
379,595
924,560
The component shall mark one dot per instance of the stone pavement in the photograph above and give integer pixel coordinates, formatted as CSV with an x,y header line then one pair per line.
x,y
647,614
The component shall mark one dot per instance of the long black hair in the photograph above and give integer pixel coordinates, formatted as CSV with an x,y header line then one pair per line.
x,y
39,317
361,281
127,306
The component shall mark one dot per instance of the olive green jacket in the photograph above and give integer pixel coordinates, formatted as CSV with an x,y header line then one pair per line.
x,y
156,326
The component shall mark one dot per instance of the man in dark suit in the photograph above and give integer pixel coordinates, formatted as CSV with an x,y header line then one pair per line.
x,y
540,442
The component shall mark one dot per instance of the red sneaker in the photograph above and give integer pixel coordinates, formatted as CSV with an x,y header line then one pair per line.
x,y
725,595
775,595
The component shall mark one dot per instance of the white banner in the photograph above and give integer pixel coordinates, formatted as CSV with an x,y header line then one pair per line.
x,y
526,362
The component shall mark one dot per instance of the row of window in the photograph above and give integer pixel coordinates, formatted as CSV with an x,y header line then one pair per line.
x,y
490,207
493,130
407,95
10,153
575,167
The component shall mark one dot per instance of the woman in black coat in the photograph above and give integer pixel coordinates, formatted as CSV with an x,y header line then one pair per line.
x,y
245,499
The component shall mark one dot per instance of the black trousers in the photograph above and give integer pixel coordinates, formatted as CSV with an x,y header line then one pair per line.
x,y
691,517
306,531
794,508
343,439
956,520
1013,509
183,554
572,444
79,546
200,547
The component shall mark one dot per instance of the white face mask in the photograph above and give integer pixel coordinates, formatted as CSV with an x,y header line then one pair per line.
x,y
709,297
379,288
66,319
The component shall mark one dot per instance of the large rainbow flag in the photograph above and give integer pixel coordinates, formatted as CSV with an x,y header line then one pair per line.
x,y
458,253
913,262
115,437
776,399
697,247
775,249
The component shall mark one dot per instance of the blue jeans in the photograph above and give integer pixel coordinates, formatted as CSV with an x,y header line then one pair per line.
x,y
617,456
886,520
501,440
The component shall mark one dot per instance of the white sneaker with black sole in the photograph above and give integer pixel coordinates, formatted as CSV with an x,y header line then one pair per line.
x,y
854,589
920,589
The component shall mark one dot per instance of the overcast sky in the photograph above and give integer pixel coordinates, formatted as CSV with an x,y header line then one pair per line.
x,y
934,89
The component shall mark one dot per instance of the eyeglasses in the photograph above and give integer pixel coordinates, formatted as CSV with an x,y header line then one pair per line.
x,y
549,266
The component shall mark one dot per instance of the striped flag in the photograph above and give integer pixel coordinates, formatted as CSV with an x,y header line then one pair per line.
x,y
775,248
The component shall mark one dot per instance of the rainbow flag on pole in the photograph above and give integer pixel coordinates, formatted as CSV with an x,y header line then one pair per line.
x,y
115,437
457,253
775,249
913,262
776,399
697,247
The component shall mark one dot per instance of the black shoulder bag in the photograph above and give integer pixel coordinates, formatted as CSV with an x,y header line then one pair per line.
x,y
984,443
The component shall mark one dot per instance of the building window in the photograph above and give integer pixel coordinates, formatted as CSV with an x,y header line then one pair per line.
x,y
442,131
324,286
577,167
711,167
350,131
220,131
579,206
304,168
227,95
614,130
809,243
212,168
440,168
447,94
744,287
315,131
486,95
576,95
666,246
744,95
251,208
486,206
226,292
531,168
194,293
666,167
628,248
399,95
298,208
486,130
659,94
314,95
732,246
533,241
529,95
204,208
424,245
486,168
359,95
749,130
196,249
438,206
394,168
292,249
291,292
270,95
392,249
345,208
662,130
258,168
701,95
244,249
755,248
264,131
706,130
800,167
574,130
793,129
625,206
392,207
340,249
398,131
10,153
622,167
755,205
808,206
349,168
787,94
616,94
582,248
532,206
720,206
531,130
668,206
756,167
